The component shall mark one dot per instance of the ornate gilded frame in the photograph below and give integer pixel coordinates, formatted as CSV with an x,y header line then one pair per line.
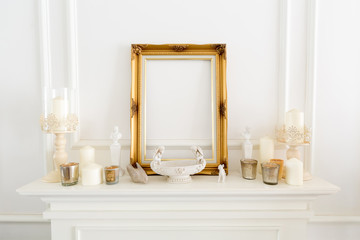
x,y
137,53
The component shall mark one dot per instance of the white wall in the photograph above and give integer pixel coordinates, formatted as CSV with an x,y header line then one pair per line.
x,y
270,69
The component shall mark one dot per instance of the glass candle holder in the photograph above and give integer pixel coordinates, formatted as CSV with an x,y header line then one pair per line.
x,y
281,166
248,168
69,173
270,173
59,111
111,174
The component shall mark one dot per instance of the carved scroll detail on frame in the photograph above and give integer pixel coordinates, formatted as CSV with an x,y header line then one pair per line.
x,y
222,109
134,108
137,48
221,49
179,48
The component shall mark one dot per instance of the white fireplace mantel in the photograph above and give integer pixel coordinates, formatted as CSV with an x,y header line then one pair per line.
x,y
203,209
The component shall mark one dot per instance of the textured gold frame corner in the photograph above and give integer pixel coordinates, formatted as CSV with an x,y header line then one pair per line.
x,y
136,115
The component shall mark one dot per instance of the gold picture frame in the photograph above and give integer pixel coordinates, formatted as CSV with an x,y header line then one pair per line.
x,y
218,52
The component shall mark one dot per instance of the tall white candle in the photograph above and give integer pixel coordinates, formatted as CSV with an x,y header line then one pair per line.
x,y
266,150
91,174
294,172
87,155
295,118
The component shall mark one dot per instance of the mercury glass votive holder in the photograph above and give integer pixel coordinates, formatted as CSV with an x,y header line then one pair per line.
x,y
69,173
248,168
270,173
280,162
111,174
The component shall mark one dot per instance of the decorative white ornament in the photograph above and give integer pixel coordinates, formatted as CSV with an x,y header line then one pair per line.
x,y
247,145
222,174
115,149
178,171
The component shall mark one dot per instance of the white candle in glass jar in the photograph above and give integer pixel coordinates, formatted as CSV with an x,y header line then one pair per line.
x,y
295,118
59,107
294,172
91,174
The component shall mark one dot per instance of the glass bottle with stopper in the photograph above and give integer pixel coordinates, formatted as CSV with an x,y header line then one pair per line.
x,y
115,149
247,145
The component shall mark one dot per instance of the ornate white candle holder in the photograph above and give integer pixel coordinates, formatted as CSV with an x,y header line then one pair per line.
x,y
58,119
294,138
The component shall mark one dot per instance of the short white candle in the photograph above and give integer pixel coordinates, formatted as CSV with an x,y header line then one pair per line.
x,y
295,118
91,174
294,172
266,150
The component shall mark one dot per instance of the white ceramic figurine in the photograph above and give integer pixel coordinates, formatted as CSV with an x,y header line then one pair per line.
x,y
158,154
222,174
198,153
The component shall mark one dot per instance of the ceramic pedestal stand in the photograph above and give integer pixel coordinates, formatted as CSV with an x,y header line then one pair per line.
x,y
60,157
294,138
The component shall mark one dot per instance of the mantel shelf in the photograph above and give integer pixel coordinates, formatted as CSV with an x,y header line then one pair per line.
x,y
235,185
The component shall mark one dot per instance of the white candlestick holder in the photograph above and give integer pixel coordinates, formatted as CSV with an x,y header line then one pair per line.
x,y
294,138
58,119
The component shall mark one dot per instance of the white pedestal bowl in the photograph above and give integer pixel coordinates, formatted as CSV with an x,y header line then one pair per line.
x,y
178,171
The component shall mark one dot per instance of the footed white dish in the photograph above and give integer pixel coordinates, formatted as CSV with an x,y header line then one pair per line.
x,y
178,171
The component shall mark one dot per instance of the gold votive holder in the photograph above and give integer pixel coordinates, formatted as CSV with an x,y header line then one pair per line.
x,y
248,168
112,174
69,173
281,166
270,173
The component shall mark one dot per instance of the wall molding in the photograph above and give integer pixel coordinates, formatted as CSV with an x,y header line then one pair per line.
x,y
310,82
283,83
21,218
233,144
46,75
335,219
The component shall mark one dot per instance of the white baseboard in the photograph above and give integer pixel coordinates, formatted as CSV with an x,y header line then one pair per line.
x,y
21,218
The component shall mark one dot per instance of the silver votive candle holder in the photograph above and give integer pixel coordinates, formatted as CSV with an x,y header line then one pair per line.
x,y
248,168
69,173
270,173
111,174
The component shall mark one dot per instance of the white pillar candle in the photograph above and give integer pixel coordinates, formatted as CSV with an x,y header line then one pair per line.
x,y
294,118
266,149
87,155
59,107
91,174
294,172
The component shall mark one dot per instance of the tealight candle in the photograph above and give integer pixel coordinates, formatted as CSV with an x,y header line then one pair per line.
x,y
69,173
91,174
294,172
248,168
270,173
112,174
281,164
